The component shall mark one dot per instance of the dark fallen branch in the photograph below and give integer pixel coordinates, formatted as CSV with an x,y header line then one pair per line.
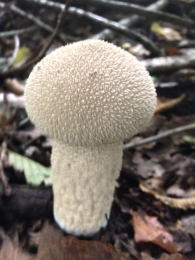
x,y
13,71
129,21
168,64
32,18
25,203
123,30
135,9
106,23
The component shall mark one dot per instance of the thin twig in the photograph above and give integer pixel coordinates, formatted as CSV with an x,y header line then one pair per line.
x,y
129,21
105,22
123,30
157,137
135,9
18,32
14,71
53,35
169,84
32,18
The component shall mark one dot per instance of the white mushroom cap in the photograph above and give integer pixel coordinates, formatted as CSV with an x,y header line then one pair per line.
x,y
88,96
90,93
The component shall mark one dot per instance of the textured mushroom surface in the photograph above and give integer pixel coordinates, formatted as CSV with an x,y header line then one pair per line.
x,y
88,96
90,92
84,180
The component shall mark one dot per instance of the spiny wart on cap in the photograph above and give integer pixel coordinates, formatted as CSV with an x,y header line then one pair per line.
x,y
90,92
88,96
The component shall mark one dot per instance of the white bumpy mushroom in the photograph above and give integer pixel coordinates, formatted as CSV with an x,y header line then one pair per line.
x,y
88,97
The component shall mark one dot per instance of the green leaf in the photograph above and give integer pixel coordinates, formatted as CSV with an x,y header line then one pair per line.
x,y
156,28
189,139
21,56
34,172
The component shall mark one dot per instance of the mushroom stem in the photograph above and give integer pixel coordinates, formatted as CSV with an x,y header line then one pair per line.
x,y
84,180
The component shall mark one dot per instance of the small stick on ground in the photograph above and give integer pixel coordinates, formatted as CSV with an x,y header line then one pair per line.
x,y
159,136
53,35
78,12
129,21
18,32
42,53
135,9
32,18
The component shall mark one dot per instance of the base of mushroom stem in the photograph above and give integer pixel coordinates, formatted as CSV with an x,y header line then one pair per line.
x,y
84,180
65,228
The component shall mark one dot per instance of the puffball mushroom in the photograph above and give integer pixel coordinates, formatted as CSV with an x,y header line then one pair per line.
x,y
88,97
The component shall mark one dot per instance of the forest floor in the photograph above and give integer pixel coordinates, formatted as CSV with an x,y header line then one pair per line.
x,y
153,213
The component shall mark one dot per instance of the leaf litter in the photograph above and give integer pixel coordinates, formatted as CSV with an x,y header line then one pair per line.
x,y
142,225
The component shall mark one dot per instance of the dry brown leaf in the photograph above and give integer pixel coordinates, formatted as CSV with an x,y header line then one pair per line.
x,y
177,257
187,224
6,118
9,251
171,51
54,245
164,256
149,229
146,256
164,104
4,122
